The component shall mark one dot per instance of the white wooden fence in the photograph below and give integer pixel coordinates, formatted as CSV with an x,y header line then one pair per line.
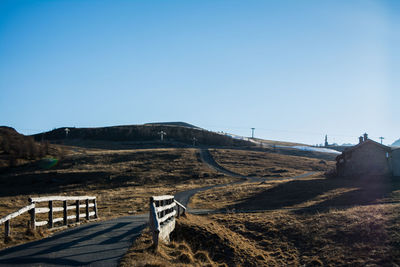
x,y
163,210
33,209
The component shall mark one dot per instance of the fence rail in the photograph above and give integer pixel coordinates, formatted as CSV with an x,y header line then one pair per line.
x,y
34,210
163,210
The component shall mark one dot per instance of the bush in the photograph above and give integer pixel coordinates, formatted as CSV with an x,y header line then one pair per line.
x,y
331,173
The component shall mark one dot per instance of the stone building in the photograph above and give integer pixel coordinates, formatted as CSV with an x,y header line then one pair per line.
x,y
366,158
396,162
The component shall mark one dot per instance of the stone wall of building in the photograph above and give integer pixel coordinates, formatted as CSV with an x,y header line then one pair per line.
x,y
368,159
396,162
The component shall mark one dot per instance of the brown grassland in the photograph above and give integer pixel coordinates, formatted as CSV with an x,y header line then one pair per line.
x,y
315,192
278,143
122,180
174,253
359,236
313,221
267,165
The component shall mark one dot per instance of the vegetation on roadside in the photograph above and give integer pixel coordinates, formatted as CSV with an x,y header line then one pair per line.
x,y
175,253
359,236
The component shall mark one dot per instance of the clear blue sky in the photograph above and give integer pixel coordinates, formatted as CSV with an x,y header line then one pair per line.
x,y
294,70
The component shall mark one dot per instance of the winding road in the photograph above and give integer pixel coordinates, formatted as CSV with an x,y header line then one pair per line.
x,y
99,243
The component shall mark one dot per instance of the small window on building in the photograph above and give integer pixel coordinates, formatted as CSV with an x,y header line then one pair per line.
x,y
387,155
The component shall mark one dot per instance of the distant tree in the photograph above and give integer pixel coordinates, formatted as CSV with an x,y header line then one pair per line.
x,y
46,147
32,148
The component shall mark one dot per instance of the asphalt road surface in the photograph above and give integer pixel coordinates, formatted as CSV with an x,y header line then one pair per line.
x,y
93,244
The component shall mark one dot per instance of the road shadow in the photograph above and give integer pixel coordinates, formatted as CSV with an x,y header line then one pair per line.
x,y
332,192
50,182
44,242
367,191
85,245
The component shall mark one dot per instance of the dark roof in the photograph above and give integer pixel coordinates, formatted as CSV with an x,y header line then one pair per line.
x,y
368,141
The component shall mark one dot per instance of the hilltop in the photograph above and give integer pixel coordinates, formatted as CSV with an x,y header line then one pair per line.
x,y
177,123
177,134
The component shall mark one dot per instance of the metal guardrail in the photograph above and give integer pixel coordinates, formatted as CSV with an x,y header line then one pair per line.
x,y
163,210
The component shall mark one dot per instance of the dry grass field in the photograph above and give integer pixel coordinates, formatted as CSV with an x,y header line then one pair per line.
x,y
175,253
122,180
312,221
267,164
278,143
222,198
315,193
359,236
337,228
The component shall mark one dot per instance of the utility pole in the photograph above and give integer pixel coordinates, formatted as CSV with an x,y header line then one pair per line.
x,y
252,132
162,133
381,139
66,132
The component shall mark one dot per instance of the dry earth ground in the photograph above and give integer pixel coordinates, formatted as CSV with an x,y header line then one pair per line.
x,y
122,180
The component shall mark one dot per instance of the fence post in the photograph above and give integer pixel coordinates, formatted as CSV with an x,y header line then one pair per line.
x,y
77,211
179,210
7,230
50,214
95,209
87,209
154,226
65,212
32,212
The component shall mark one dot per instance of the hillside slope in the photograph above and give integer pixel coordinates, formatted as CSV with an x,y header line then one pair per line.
x,y
174,134
175,123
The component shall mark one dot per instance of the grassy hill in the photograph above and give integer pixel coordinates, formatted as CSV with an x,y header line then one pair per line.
x,y
178,123
178,134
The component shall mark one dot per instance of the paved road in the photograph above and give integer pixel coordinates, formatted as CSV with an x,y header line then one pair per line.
x,y
92,244
207,158
98,243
